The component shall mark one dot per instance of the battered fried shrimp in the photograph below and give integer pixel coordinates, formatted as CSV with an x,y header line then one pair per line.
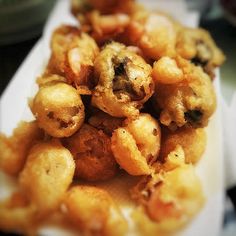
x,y
178,198
125,81
14,149
193,142
154,33
91,149
166,71
73,54
136,145
47,174
93,211
105,122
58,109
104,27
173,197
192,101
198,46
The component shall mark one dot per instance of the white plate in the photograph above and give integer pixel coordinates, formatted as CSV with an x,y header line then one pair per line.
x,y
13,108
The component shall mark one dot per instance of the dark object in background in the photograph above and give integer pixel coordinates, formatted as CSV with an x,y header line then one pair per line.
x,y
229,9
21,25
11,57
232,195
22,19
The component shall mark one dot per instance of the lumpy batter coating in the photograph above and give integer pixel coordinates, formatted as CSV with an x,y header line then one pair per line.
x,y
91,149
167,71
93,211
190,102
103,28
58,109
124,81
14,149
104,20
47,174
47,80
73,55
103,6
154,33
17,215
105,122
137,144
193,142
198,46
173,195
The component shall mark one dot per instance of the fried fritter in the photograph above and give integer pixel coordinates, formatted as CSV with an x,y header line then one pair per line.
x,y
166,71
14,149
93,211
190,102
17,215
73,55
103,28
91,149
198,46
193,142
125,81
103,20
47,174
104,6
173,195
58,109
137,144
105,122
154,33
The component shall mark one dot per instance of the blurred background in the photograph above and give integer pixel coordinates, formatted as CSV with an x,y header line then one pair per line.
x,y
22,22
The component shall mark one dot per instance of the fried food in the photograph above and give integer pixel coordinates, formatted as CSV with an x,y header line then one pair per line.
x,y
193,142
104,6
137,144
47,174
44,81
17,215
166,71
58,109
91,149
190,102
198,46
177,199
14,149
93,211
105,122
172,197
154,33
73,54
124,81
103,20
107,85
104,27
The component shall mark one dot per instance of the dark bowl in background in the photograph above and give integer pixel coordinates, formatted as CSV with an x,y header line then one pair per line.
x,y
22,19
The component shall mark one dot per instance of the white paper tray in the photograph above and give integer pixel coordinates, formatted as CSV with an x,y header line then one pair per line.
x,y
13,108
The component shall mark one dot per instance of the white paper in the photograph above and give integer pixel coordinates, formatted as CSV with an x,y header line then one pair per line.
x,y
210,169
229,136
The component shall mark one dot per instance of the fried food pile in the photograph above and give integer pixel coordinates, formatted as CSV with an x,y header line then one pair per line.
x,y
126,92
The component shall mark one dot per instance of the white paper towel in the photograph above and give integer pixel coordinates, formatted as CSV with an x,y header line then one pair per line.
x,y
229,138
